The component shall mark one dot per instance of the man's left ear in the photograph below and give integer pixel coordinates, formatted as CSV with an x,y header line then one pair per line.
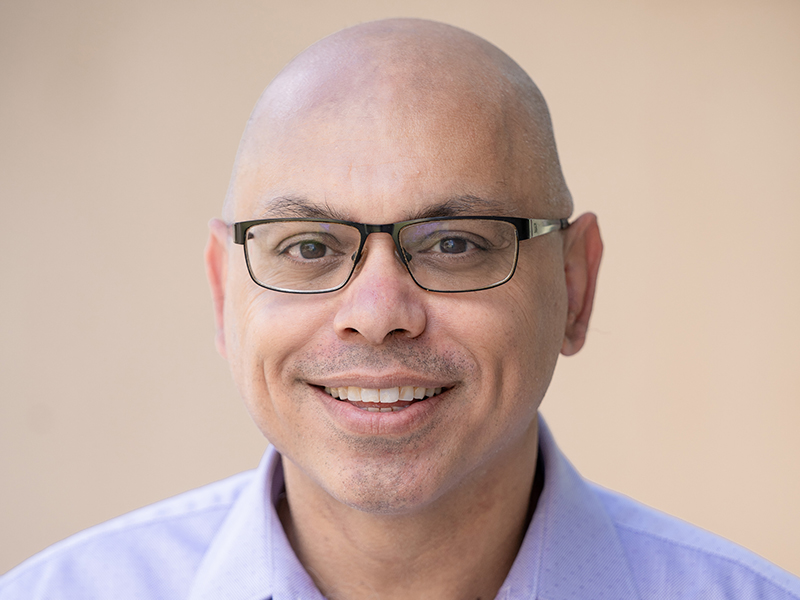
x,y
583,249
216,257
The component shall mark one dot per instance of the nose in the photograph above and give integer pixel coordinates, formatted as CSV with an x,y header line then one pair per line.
x,y
381,300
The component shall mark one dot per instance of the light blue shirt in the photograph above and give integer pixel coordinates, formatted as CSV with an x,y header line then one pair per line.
x,y
224,541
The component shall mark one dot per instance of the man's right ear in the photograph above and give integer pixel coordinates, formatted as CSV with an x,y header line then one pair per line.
x,y
216,257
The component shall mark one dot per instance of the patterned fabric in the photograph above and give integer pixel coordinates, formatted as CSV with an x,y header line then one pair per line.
x,y
224,541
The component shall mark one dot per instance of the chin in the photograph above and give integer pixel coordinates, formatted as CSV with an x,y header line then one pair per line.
x,y
386,498
399,485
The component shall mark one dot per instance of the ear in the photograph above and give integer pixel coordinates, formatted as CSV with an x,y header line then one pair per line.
x,y
216,257
583,249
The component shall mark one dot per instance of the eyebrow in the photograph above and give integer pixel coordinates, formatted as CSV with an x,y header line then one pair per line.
x,y
460,206
297,206
303,208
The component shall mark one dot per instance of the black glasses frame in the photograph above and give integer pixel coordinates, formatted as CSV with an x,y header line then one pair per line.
x,y
526,229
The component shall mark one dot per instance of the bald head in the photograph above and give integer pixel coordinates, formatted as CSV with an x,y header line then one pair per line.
x,y
435,87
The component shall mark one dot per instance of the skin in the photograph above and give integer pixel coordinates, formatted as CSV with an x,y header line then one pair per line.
x,y
380,123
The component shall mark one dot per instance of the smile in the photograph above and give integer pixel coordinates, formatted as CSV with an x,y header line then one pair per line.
x,y
379,400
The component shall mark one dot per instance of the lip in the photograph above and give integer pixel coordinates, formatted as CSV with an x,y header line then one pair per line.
x,y
381,382
361,422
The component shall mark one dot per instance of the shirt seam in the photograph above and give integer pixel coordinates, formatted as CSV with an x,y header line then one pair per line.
x,y
540,551
708,552
38,559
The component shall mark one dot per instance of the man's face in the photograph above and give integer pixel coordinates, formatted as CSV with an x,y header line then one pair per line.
x,y
491,352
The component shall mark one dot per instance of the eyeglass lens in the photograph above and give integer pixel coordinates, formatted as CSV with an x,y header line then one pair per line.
x,y
447,255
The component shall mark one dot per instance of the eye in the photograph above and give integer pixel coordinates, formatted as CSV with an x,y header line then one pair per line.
x,y
453,245
312,249
307,250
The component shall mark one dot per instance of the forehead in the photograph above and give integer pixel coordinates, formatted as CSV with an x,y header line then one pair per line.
x,y
385,155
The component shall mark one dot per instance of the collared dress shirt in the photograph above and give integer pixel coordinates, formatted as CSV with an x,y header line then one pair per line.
x,y
225,542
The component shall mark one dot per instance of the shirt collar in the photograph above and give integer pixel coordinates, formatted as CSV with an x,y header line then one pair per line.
x,y
571,549
250,557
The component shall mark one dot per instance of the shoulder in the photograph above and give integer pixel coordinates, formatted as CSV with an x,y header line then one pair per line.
x,y
152,552
670,558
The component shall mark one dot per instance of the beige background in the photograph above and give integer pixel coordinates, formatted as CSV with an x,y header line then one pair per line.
x,y
678,123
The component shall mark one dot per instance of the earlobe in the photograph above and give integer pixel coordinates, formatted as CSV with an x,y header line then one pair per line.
x,y
216,258
583,249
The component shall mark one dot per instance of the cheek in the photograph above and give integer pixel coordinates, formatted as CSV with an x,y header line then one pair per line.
x,y
514,331
264,331
541,297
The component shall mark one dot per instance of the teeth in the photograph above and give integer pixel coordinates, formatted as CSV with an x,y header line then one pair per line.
x,y
368,395
390,395
383,395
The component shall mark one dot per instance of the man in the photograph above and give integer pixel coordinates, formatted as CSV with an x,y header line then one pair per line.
x,y
393,280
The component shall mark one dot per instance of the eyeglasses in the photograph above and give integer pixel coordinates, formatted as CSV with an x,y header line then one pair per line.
x,y
442,254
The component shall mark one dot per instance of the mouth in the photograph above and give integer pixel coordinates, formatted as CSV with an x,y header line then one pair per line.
x,y
383,400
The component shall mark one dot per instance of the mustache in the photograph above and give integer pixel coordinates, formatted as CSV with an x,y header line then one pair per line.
x,y
443,364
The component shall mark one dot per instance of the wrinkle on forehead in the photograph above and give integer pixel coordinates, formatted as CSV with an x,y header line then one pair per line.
x,y
410,78
299,207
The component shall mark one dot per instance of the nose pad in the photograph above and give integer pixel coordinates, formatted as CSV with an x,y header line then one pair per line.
x,y
400,252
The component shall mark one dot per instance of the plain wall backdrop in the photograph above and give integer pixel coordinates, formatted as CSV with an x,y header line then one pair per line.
x,y
677,122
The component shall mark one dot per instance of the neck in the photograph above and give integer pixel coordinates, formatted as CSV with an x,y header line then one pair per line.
x,y
459,547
